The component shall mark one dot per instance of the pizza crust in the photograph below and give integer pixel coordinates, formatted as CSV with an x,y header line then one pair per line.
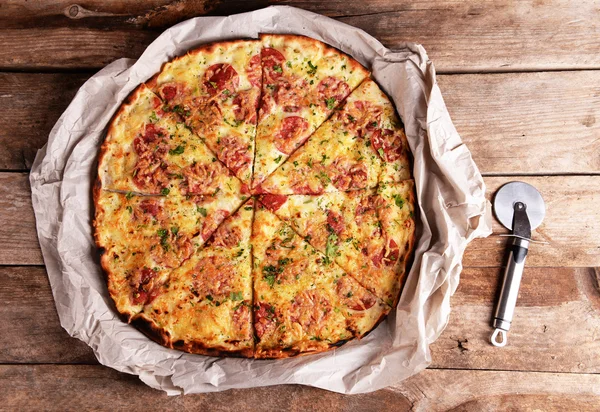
x,y
136,295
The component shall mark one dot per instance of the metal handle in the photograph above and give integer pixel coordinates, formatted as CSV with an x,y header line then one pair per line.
x,y
505,308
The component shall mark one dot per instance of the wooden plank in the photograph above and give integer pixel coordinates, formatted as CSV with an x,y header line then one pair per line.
x,y
513,123
528,123
555,327
18,237
558,310
464,36
53,387
32,104
30,325
571,225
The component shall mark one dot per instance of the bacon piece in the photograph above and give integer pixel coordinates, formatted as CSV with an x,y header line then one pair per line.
x,y
151,171
220,77
234,153
241,320
254,71
264,319
310,309
212,222
362,117
213,276
332,88
335,222
273,202
142,283
291,134
204,115
171,250
354,298
245,106
147,211
227,236
346,175
291,94
390,144
201,178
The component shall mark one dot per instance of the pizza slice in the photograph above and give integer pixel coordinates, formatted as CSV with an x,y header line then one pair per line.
x,y
150,151
360,144
367,232
304,80
205,306
303,302
216,89
144,237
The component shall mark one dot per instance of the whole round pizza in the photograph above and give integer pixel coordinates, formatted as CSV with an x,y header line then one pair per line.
x,y
254,199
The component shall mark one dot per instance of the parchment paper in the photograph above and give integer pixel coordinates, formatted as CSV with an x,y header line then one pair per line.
x,y
450,193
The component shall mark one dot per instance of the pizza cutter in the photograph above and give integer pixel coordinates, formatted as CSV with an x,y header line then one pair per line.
x,y
520,208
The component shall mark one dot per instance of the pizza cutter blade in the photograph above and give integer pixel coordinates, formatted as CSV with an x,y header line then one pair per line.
x,y
520,208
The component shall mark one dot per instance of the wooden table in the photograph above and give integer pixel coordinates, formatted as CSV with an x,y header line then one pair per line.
x,y
522,85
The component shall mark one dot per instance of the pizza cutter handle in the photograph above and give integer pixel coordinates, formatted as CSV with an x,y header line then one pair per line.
x,y
507,301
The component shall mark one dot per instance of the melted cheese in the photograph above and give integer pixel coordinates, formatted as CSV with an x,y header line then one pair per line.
x,y
311,61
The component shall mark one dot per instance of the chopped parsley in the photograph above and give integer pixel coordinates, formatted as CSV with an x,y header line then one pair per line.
x,y
381,153
399,201
289,64
330,103
202,211
278,159
129,209
331,248
164,238
175,230
236,296
312,68
153,117
129,195
165,191
177,151
277,68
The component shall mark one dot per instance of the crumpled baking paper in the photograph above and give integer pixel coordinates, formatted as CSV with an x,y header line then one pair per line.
x,y
450,193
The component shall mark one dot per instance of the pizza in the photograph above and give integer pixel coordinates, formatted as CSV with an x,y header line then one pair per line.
x,y
255,198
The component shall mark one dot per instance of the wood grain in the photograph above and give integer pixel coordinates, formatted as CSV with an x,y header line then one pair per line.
x,y
558,309
526,123
18,237
32,104
30,325
76,388
571,225
467,36
555,328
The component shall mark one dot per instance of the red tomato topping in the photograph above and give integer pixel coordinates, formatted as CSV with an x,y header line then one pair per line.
x,y
273,202
219,77
291,134
272,61
168,92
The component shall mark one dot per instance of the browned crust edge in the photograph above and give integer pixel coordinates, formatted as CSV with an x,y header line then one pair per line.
x,y
149,328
